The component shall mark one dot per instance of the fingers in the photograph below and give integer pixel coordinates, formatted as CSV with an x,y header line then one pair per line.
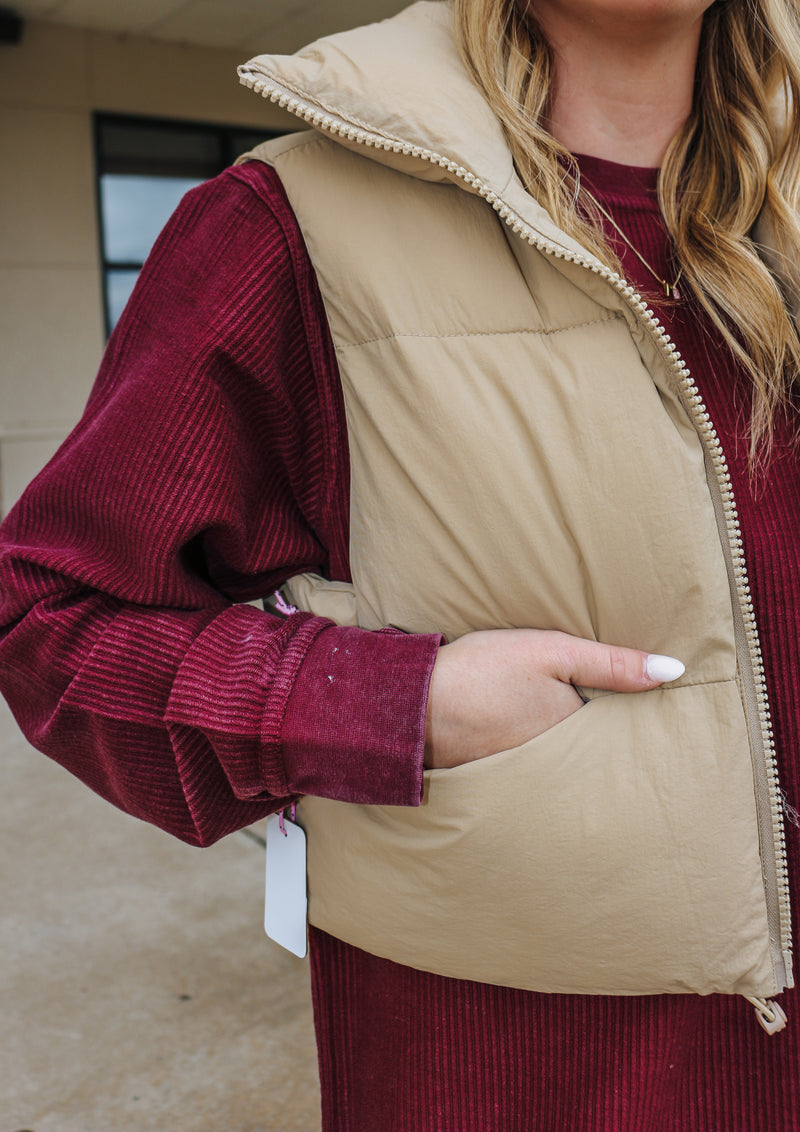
x,y
610,667
663,669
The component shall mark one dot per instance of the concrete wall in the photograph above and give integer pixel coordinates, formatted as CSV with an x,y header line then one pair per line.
x,y
51,311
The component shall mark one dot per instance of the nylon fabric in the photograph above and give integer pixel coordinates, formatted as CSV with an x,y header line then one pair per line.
x,y
503,408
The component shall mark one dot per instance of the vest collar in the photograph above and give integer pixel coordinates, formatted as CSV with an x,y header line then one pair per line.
x,y
397,92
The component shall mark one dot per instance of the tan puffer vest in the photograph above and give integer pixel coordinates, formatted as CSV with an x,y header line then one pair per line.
x,y
526,450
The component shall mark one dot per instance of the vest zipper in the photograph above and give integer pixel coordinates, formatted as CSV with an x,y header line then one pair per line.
x,y
768,794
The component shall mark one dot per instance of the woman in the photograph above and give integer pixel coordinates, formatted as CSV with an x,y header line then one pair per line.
x,y
405,377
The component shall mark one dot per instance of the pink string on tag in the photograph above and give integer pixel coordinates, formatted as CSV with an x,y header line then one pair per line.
x,y
282,605
292,813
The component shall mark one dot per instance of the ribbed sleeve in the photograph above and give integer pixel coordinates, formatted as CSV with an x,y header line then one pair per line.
x,y
209,466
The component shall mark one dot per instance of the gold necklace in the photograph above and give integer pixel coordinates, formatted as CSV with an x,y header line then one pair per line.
x,y
670,289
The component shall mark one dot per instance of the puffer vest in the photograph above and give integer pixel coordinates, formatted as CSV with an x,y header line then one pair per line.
x,y
526,450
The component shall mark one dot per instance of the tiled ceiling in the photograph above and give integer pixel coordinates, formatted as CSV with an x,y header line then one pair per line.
x,y
251,26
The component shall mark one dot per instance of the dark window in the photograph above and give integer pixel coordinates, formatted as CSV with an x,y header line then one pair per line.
x,y
144,166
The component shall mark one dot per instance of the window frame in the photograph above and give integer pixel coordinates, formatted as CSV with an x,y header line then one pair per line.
x,y
231,140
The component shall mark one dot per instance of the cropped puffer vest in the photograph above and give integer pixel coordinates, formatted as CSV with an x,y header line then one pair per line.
x,y
526,449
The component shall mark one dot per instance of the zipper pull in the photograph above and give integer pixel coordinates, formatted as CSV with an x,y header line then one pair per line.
x,y
770,1013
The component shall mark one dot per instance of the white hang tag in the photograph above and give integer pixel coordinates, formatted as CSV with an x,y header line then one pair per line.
x,y
285,902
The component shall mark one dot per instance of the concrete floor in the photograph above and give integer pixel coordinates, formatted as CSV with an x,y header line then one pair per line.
x,y
138,992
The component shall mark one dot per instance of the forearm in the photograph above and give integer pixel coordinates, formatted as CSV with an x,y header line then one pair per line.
x,y
203,722
210,465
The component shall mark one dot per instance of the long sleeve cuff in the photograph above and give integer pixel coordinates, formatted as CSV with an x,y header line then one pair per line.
x,y
354,727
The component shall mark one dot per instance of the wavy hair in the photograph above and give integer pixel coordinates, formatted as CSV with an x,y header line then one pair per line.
x,y
738,152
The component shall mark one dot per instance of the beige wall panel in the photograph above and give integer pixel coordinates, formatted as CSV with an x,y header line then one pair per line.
x,y
139,76
20,460
214,23
51,329
47,198
50,67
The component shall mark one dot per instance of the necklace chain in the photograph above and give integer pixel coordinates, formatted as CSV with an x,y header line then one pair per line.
x,y
670,289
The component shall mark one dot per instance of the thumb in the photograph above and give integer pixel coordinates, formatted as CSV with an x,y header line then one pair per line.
x,y
613,668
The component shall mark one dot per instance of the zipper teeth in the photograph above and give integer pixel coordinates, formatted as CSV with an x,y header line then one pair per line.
x,y
332,123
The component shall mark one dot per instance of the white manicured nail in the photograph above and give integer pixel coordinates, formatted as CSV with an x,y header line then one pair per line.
x,y
663,669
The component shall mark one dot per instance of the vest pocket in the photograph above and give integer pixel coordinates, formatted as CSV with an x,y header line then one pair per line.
x,y
526,749
615,853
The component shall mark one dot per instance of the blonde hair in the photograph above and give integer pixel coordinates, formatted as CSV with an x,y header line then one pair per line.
x,y
738,151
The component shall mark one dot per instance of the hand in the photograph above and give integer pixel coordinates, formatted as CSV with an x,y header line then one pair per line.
x,y
497,688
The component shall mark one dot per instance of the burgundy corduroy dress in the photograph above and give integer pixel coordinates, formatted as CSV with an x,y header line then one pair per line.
x,y
211,464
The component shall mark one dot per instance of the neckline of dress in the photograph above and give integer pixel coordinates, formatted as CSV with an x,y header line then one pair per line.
x,y
625,184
